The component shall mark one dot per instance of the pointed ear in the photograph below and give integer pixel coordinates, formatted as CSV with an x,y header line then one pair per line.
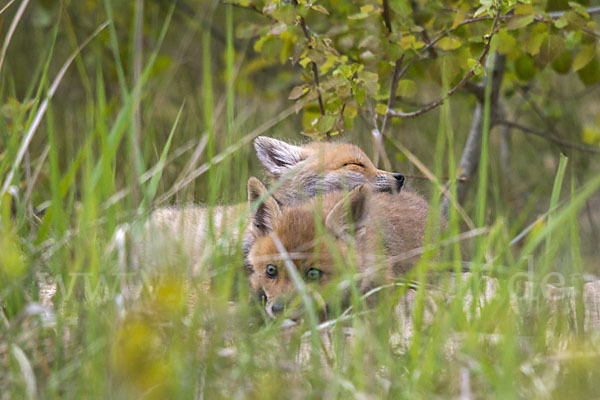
x,y
267,213
348,212
277,156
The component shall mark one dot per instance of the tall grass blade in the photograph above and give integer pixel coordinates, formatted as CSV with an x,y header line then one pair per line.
x,y
40,113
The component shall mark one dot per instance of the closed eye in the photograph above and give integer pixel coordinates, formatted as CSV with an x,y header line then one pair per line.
x,y
358,164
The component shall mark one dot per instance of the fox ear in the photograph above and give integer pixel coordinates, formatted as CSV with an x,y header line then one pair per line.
x,y
277,156
267,213
348,212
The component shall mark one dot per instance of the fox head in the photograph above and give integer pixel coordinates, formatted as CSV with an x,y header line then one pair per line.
x,y
304,171
293,230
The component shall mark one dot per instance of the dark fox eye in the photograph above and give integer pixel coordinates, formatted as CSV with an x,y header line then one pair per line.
x,y
271,271
313,274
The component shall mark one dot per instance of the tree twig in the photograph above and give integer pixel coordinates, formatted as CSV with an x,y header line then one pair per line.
x,y
393,88
386,16
551,138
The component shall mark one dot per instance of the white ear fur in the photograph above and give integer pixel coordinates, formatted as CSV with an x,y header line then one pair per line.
x,y
338,221
277,156
267,213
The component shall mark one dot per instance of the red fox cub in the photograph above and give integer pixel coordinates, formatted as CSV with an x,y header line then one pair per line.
x,y
381,228
298,172
319,167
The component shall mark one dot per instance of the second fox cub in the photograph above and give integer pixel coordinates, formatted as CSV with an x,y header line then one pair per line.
x,y
178,235
382,228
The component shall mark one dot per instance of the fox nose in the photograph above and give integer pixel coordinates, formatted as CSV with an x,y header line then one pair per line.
x,y
273,309
399,181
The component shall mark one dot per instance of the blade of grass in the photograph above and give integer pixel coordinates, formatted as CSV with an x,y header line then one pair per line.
x,y
11,29
42,70
6,6
124,116
558,180
40,113
158,169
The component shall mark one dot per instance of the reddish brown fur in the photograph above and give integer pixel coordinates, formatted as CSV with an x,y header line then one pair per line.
x,y
319,168
389,225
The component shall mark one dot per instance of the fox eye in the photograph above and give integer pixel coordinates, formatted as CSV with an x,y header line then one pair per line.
x,y
358,164
314,274
271,271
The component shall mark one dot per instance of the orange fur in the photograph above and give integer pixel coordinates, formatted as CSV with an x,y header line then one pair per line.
x,y
381,228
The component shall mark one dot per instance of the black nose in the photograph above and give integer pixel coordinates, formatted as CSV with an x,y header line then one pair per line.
x,y
278,307
399,181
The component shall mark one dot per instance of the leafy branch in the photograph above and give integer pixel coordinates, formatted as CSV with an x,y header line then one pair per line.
x,y
434,104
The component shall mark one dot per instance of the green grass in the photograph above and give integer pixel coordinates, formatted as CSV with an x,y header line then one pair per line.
x,y
70,169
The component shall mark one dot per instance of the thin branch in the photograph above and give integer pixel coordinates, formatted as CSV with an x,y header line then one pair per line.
x,y
393,88
386,16
314,67
468,76
558,14
315,72
553,139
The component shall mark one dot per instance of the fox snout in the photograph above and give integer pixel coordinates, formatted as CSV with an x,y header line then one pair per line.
x,y
389,183
399,181
275,308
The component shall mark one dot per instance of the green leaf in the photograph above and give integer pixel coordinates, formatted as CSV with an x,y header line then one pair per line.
x,y
460,16
258,45
582,58
407,88
297,92
590,135
304,61
370,81
401,7
310,117
476,66
579,8
381,109
535,42
449,43
325,123
561,22
356,16
524,67
360,95
576,21
550,48
506,42
590,74
350,111
524,9
519,21
320,9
